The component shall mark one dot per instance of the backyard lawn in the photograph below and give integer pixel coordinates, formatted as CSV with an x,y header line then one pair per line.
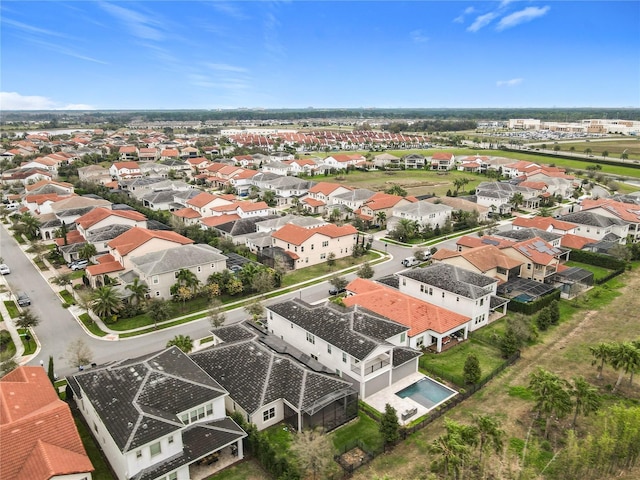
x,y
598,272
364,428
245,470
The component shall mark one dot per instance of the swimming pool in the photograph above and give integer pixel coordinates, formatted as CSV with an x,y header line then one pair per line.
x,y
427,392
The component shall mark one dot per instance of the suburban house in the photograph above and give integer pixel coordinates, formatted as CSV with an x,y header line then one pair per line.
x,y
414,161
159,270
487,260
386,160
381,205
157,417
148,154
442,161
498,195
322,193
627,212
308,247
128,153
454,288
102,217
133,243
429,324
40,440
123,170
424,213
541,259
354,198
277,382
457,203
94,174
360,346
597,226
343,160
548,224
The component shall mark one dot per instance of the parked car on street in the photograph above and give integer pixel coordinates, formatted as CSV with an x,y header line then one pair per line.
x,y
335,291
23,299
4,269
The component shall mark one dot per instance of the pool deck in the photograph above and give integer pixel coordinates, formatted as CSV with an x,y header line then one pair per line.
x,y
388,395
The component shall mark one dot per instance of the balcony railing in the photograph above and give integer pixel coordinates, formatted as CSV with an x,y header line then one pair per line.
x,y
371,367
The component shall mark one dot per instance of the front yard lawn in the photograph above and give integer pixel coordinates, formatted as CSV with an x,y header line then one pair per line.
x,y
30,345
67,297
12,308
315,271
450,364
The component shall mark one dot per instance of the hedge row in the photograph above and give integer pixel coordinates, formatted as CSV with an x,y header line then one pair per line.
x,y
597,259
529,308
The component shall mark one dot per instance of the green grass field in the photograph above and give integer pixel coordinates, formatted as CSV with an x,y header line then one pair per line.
x,y
598,272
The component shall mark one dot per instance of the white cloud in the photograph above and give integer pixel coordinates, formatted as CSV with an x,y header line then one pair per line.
x,y
522,16
225,67
467,11
509,83
139,25
419,37
229,9
15,101
482,21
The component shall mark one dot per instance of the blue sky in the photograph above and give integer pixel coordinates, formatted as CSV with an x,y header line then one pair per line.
x,y
298,54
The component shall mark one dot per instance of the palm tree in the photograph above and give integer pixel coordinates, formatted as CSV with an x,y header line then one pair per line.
x,y
188,279
516,200
551,395
625,358
381,217
453,446
159,310
396,190
87,251
269,197
30,225
37,248
105,301
586,398
601,352
138,291
183,342
490,435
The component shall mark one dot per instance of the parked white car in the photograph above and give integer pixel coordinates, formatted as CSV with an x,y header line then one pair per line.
x,y
4,269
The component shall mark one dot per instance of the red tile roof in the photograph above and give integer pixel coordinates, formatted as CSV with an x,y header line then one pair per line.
x,y
201,199
74,236
484,258
419,316
104,267
39,436
128,165
576,242
296,235
313,202
133,238
186,213
98,214
442,156
252,206
326,187
219,220
543,223
381,201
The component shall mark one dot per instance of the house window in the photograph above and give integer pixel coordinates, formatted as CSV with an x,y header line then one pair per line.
x,y
323,256
155,449
157,293
173,476
194,416
430,291
420,342
481,301
170,439
442,294
315,357
291,324
404,282
344,357
328,348
302,248
422,288
268,414
201,412
528,266
209,409
95,427
185,418
138,453
325,243
199,269
311,338
175,274
312,246
155,279
403,337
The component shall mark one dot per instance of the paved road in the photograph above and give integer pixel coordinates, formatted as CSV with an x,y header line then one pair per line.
x,y
58,327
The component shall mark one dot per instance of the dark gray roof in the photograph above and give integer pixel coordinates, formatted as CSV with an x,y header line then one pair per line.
x,y
138,400
163,196
452,279
390,280
402,355
591,218
254,375
242,226
198,441
356,195
107,233
234,333
529,233
354,330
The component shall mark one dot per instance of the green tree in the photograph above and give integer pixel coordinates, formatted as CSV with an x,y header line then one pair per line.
x,y
381,218
490,435
554,312
181,293
331,259
338,282
314,450
365,270
183,342
79,353
27,319
396,190
543,320
263,282
516,200
255,309
30,225
625,358
269,197
187,278
62,279
472,370
158,310
139,291
51,371
602,353
454,446
552,396
87,251
217,317
105,301
389,425
37,248
605,153
586,398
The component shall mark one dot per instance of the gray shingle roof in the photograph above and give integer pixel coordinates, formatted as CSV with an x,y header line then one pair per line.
x,y
109,232
173,259
452,279
529,233
591,218
422,209
359,194
138,400
255,375
355,330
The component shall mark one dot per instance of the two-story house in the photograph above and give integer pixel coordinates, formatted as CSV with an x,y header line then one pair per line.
x,y
308,247
596,226
627,212
424,213
357,344
442,161
159,270
487,259
157,417
454,288
123,170
322,193
382,204
414,161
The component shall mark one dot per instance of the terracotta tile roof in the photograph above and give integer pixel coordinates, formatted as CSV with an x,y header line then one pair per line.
x,y
529,249
39,436
44,197
105,267
419,316
313,202
129,165
133,238
534,185
442,156
342,158
252,206
543,223
201,199
186,212
197,161
628,212
231,207
576,242
74,236
472,241
381,201
484,258
245,174
98,214
127,149
219,220
170,152
296,235
42,183
326,187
